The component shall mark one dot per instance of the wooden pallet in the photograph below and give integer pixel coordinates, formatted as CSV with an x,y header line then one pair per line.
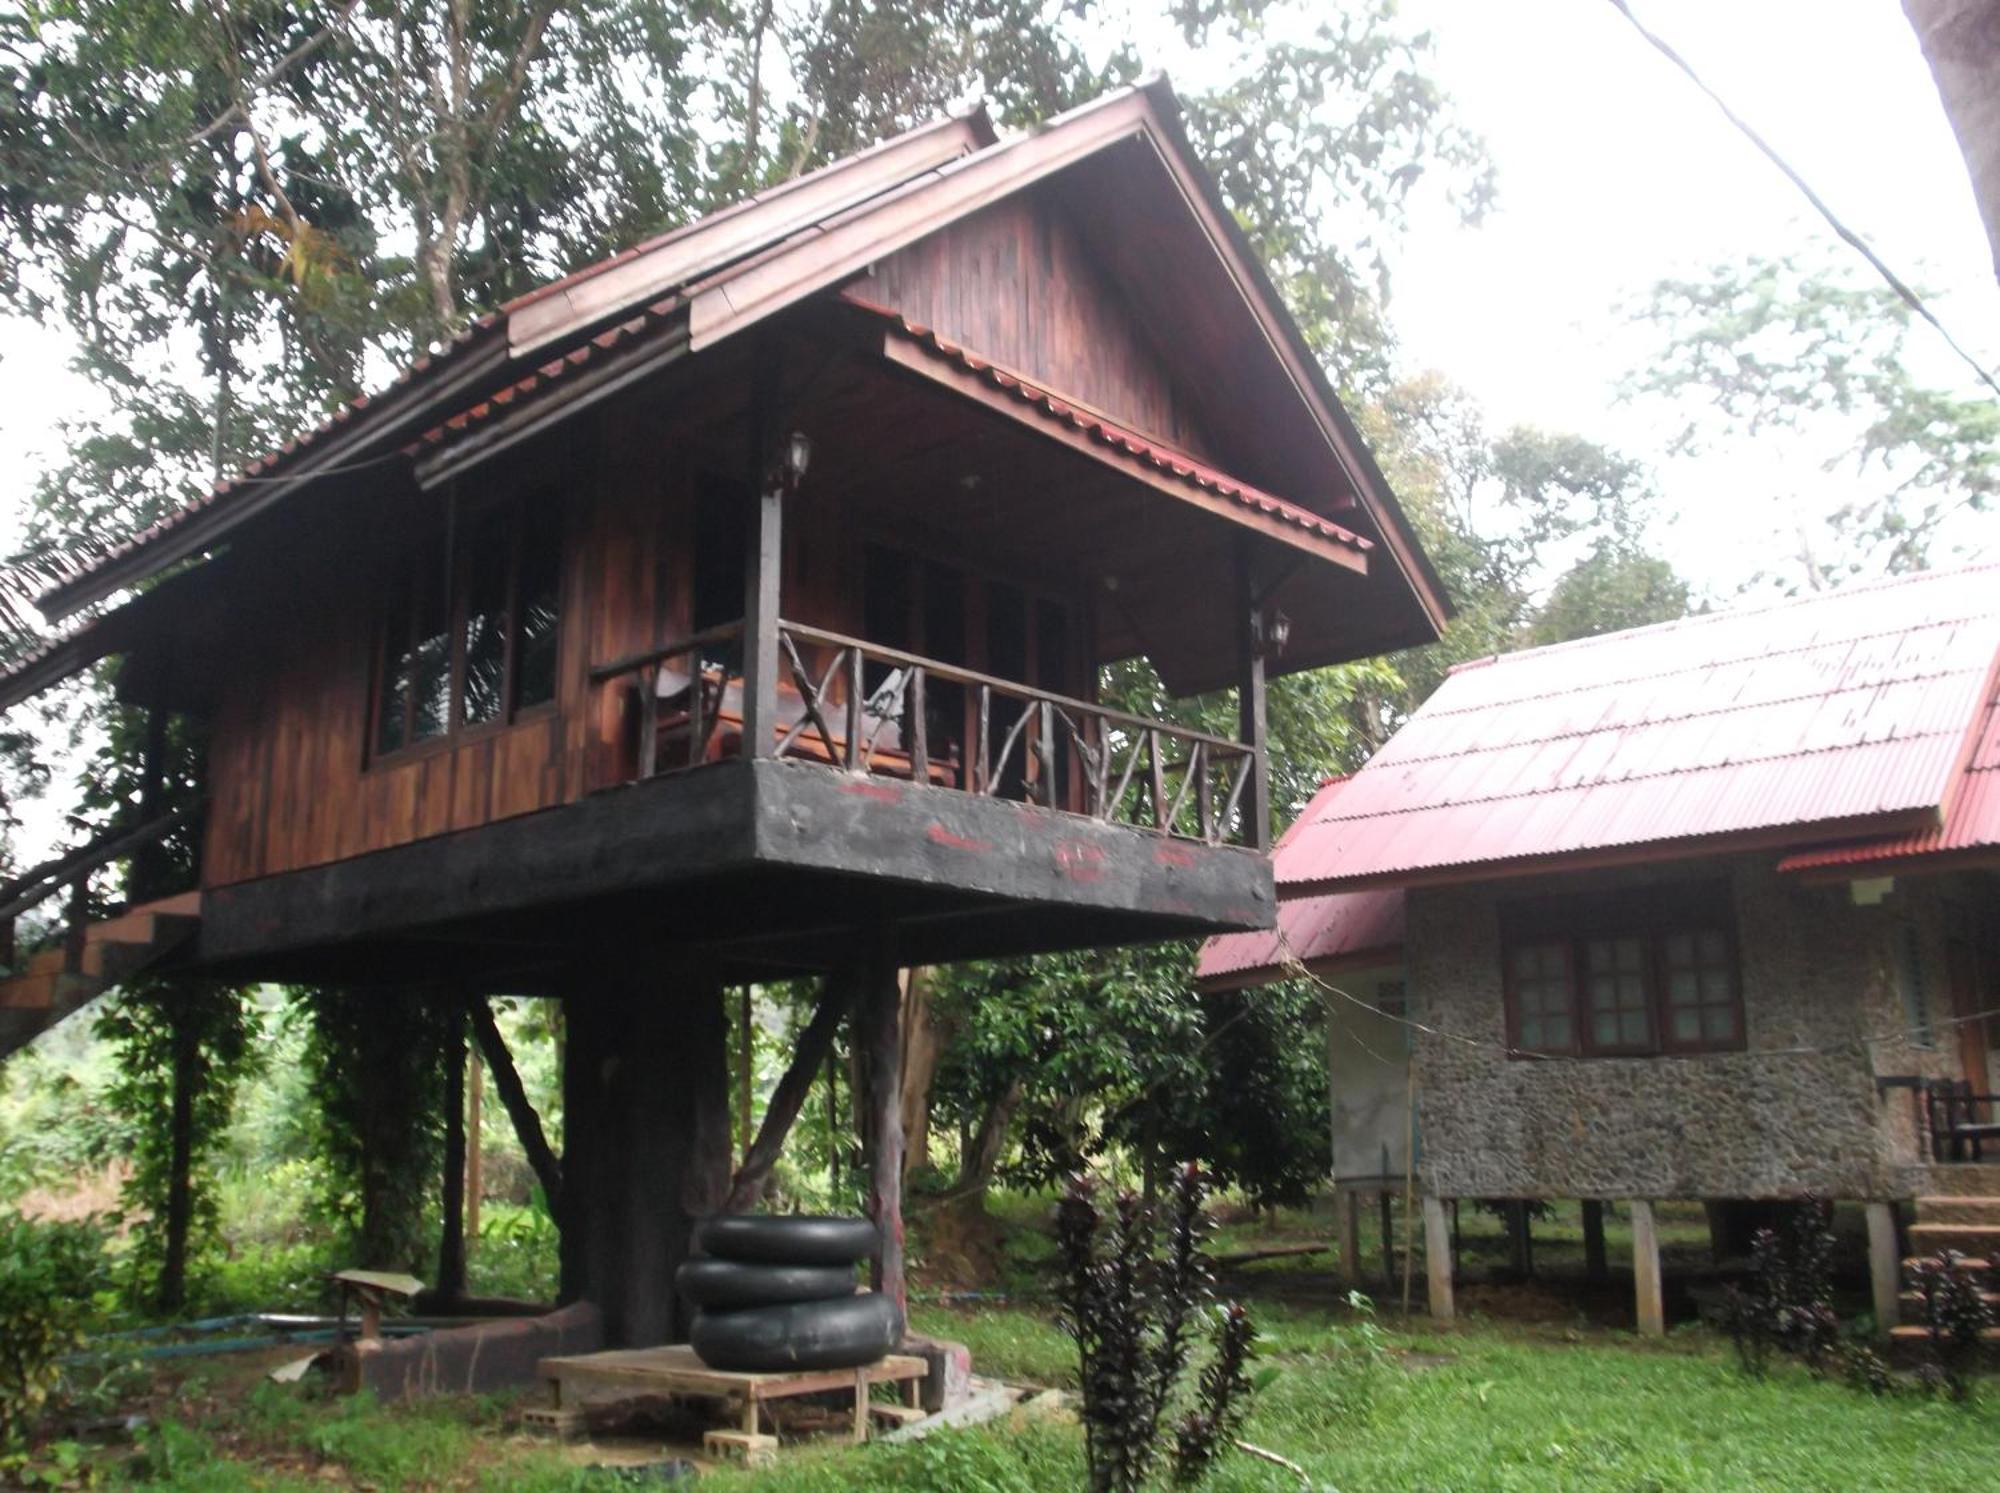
x,y
627,1373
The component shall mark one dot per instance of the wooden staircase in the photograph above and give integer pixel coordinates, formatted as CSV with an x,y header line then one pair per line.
x,y
51,984
1956,1220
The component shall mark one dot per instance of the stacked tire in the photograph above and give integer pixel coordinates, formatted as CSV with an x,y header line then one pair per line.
x,y
774,1294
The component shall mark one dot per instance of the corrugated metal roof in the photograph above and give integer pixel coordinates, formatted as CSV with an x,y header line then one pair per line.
x,y
1146,452
1343,930
1826,715
1970,831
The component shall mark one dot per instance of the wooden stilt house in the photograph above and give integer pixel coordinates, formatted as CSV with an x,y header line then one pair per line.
x,y
736,608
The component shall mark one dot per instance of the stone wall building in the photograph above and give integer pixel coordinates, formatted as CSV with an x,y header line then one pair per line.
x,y
1704,911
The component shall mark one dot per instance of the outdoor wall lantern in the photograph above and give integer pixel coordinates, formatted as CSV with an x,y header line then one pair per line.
x,y
789,469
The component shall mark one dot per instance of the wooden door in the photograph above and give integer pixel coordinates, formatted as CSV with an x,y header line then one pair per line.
x,y
1962,970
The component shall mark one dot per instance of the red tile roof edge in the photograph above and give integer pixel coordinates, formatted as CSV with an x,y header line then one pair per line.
x,y
1079,416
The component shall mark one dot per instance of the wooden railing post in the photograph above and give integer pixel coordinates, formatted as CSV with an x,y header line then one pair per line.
x,y
1045,751
649,718
919,717
985,757
856,674
764,559
1251,720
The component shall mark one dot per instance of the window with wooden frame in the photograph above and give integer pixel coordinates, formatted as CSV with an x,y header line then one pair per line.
x,y
1623,975
469,643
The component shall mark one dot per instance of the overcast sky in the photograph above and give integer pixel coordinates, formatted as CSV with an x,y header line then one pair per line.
x,y
1613,172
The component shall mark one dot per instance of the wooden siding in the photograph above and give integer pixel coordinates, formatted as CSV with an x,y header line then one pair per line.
x,y
1015,283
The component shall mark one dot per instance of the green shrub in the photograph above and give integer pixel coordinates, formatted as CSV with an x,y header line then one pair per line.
x,y
48,1279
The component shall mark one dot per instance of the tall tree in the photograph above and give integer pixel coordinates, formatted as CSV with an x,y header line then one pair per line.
x,y
1807,348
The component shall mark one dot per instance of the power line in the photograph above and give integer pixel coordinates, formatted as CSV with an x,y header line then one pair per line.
x,y
1860,245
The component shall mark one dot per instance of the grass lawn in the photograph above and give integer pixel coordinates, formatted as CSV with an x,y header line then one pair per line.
x,y
1482,1406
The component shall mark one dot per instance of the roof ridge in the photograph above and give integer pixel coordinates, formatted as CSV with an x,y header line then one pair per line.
x,y
1731,613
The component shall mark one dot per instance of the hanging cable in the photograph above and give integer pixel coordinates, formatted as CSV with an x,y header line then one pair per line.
x,y
1860,245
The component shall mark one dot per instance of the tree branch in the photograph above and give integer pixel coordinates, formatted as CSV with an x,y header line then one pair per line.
x,y
836,995
507,1083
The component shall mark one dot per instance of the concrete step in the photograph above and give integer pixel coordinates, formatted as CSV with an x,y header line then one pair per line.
x,y
1982,1239
1987,1335
1913,1301
1968,1209
1961,1179
1977,1265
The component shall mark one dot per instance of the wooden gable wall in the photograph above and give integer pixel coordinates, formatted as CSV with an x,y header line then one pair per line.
x,y
1015,284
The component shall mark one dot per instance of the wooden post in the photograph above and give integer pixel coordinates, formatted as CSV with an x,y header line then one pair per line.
x,y
1520,1234
1885,1266
475,1150
1251,722
451,1233
1388,1243
881,1046
1437,1258
1652,1311
746,1070
1595,1266
1349,1205
764,557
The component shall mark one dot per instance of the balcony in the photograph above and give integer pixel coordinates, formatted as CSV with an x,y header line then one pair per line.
x,y
877,712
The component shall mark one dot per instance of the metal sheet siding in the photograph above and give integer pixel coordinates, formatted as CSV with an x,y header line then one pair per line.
x,y
1821,712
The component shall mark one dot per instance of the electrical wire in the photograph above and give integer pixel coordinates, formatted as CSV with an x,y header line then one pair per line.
x,y
1860,245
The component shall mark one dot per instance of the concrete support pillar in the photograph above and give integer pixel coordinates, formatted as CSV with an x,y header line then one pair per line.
x,y
1349,1205
1595,1266
1652,1311
1885,1265
646,1146
1437,1258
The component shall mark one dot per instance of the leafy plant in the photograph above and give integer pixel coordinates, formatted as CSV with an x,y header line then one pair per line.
x,y
1956,1314
48,1277
1788,1306
1130,1303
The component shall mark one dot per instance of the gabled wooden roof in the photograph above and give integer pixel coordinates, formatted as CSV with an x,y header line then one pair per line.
x,y
1124,167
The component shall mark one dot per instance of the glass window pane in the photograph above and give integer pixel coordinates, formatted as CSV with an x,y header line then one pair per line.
x,y
1683,988
430,663
1632,1028
393,691
1531,1032
1719,1023
1557,1030
539,605
1687,1025
488,558
1604,1029
1716,985
1527,962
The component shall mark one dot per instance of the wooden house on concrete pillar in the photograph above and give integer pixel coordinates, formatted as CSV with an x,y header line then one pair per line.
x,y
736,608
1703,911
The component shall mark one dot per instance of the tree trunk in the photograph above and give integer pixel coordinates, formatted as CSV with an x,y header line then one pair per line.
x,y
451,1233
1961,40
923,1046
980,1159
180,1163
646,1141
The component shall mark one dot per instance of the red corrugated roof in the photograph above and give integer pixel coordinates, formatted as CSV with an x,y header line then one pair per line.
x,y
1970,831
1813,717
1145,451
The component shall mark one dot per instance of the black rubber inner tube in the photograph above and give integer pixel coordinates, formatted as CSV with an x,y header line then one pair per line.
x,y
842,1334
775,1239
728,1283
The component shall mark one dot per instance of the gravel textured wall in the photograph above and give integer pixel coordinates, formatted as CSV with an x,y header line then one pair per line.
x,y
1818,973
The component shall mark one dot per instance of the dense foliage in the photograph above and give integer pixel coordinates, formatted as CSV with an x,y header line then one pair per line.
x,y
48,1284
1956,1315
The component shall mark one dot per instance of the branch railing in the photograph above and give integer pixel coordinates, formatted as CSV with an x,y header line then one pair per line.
x,y
874,710
72,872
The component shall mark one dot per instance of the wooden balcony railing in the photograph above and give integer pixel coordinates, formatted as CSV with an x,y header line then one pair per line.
x,y
869,709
